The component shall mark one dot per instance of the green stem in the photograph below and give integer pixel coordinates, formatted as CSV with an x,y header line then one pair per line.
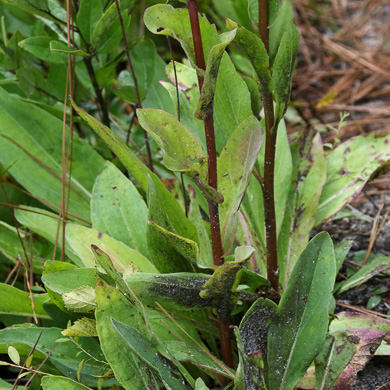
x,y
223,320
269,163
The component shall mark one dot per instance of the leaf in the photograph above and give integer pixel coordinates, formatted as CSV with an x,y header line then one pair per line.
x,y
198,357
45,224
130,371
103,25
333,359
187,248
36,143
232,100
81,238
18,303
308,178
200,385
235,165
118,209
167,213
14,354
252,345
367,271
285,16
283,70
119,147
80,300
147,351
85,327
298,329
60,382
221,288
87,16
273,9
39,46
173,291
181,148
366,342
255,50
348,169
341,250
206,102
65,357
353,320
61,47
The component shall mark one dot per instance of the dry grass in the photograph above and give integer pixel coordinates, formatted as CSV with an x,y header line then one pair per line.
x,y
344,65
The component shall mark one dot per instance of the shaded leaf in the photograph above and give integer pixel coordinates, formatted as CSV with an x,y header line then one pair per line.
x,y
292,348
273,9
88,14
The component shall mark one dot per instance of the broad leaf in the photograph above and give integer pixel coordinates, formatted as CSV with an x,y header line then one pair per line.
x,y
235,165
298,329
273,9
39,46
85,327
89,13
80,300
60,382
118,209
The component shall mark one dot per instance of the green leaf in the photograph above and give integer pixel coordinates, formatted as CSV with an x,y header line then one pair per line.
x,y
298,329
167,213
131,162
173,291
221,288
348,169
181,148
80,300
285,16
283,70
252,345
235,165
65,357
45,224
81,238
147,351
187,248
332,360
365,273
103,25
16,302
118,209
273,9
255,50
85,327
37,143
341,250
89,13
200,385
40,47
206,102
130,371
14,354
60,382
61,47
308,178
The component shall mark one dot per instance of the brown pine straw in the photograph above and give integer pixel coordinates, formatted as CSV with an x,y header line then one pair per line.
x,y
345,50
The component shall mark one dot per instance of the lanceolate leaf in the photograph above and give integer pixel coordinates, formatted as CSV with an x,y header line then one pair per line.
x,y
89,13
348,169
206,101
255,50
298,329
182,150
138,169
118,209
283,69
235,165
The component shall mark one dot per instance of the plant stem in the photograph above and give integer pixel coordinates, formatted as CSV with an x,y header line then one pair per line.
x,y
223,320
98,92
139,104
269,163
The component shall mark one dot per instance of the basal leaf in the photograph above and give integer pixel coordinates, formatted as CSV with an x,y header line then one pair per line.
x,y
298,328
173,291
348,168
118,209
235,165
81,238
